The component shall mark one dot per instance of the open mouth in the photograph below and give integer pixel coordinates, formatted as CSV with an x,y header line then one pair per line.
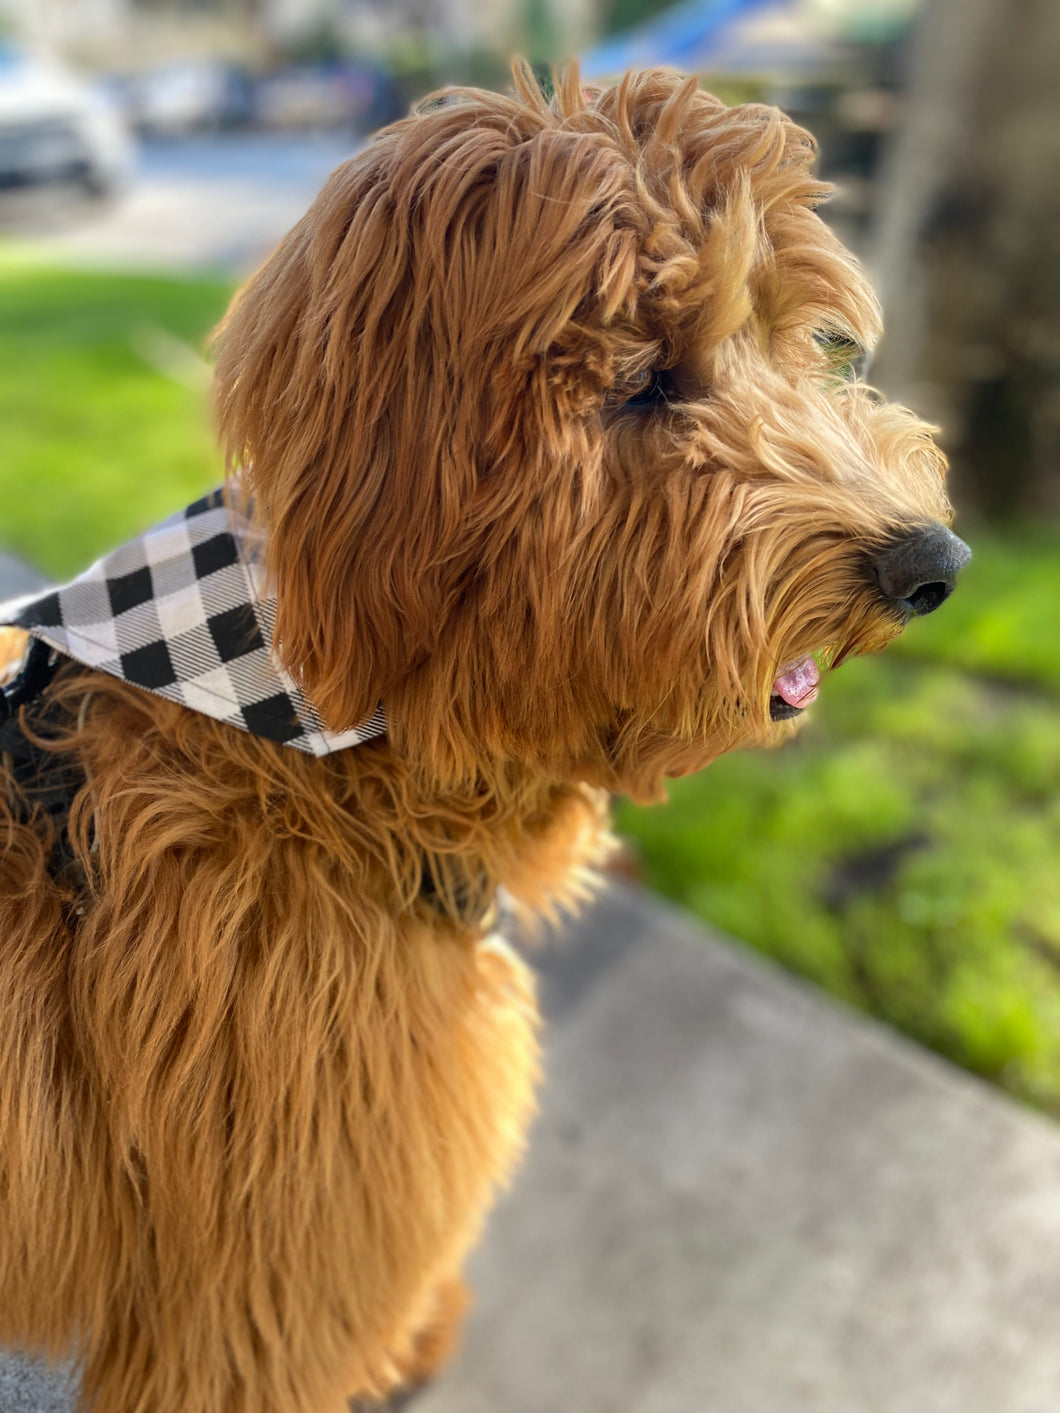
x,y
794,689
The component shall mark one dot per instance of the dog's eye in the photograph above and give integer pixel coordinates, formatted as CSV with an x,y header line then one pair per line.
x,y
846,358
643,389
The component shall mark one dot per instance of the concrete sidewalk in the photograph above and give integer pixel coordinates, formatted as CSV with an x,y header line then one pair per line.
x,y
741,1198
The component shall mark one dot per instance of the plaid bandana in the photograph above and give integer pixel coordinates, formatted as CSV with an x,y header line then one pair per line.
x,y
182,612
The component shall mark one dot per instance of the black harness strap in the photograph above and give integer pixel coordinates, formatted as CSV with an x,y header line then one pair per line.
x,y
38,668
45,780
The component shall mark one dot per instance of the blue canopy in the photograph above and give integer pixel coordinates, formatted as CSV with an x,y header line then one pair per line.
x,y
681,37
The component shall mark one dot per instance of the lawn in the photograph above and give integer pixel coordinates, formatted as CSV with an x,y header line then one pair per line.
x,y
902,852
103,406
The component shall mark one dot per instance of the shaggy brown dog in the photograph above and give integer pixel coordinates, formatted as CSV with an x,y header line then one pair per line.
x,y
541,408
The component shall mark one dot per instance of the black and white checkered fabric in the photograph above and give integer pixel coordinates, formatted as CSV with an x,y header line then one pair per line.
x,y
182,611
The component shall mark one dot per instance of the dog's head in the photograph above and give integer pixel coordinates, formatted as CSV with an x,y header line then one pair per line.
x,y
546,408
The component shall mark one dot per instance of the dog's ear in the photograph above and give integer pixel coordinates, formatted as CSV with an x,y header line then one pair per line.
x,y
322,420
385,381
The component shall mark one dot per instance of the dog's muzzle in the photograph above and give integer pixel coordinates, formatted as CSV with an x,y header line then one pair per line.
x,y
915,572
918,572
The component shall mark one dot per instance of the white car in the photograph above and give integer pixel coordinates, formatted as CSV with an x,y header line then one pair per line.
x,y
55,127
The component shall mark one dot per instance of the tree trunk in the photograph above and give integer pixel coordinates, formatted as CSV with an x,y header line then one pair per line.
x,y
967,248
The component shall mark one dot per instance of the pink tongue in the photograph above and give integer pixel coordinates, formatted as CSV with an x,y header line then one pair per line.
x,y
798,686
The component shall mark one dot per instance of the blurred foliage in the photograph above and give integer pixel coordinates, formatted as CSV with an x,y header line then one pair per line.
x,y
322,42
540,33
620,15
901,851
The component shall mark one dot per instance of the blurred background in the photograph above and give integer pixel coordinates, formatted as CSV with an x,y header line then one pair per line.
x,y
903,852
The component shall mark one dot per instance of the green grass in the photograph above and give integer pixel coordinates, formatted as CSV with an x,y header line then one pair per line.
x,y
903,852
103,406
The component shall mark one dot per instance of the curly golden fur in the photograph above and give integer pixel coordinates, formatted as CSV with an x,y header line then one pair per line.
x,y
551,463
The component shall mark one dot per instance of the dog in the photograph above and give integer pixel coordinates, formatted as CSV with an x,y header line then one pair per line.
x,y
548,479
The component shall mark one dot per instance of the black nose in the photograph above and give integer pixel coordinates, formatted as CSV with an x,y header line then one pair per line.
x,y
919,571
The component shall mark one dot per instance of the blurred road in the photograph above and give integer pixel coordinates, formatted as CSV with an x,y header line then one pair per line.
x,y
200,203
